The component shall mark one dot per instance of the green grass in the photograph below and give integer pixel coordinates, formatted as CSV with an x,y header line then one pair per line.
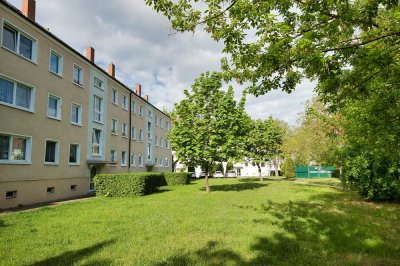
x,y
241,222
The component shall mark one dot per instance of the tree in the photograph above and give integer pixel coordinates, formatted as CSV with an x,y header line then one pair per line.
x,y
288,168
264,142
208,125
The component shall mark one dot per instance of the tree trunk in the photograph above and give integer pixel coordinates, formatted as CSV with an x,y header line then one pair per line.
x,y
207,186
276,166
259,171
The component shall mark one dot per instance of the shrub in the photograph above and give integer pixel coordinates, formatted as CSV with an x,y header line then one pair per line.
x,y
132,184
288,168
182,178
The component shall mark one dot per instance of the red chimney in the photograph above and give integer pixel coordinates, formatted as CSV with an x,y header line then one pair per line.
x,y
90,54
111,70
146,97
139,90
29,9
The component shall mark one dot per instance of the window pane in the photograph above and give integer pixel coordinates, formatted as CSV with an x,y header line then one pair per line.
x,y
54,63
50,152
77,75
73,153
52,107
4,147
18,149
25,47
23,96
10,38
6,91
75,113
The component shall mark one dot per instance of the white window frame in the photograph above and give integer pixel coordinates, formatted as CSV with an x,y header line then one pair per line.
x,y
78,154
133,107
133,136
80,82
60,63
140,135
161,122
141,111
59,106
155,160
28,149
17,45
101,87
14,194
79,114
114,94
114,130
149,113
133,159
156,120
99,144
124,102
14,100
124,162
95,111
124,130
57,151
141,163
156,141
149,152
114,153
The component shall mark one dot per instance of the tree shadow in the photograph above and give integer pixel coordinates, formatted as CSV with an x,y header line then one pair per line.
x,y
237,187
72,257
2,224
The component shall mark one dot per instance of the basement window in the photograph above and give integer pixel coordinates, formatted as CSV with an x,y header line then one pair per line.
x,y
11,194
50,190
73,187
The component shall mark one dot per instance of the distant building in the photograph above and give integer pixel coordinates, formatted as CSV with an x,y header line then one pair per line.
x,y
250,169
63,119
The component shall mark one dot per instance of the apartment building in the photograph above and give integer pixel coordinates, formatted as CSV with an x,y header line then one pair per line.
x,y
63,119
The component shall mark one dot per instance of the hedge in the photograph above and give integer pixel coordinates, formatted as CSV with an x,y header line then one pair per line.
x,y
181,178
132,184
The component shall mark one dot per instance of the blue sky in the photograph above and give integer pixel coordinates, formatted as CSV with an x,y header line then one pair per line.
x,y
139,42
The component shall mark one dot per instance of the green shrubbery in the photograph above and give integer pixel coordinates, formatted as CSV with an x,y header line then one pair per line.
x,y
136,184
133,184
288,168
182,178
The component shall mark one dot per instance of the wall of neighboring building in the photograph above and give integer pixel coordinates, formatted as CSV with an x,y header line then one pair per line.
x,y
162,151
35,125
249,169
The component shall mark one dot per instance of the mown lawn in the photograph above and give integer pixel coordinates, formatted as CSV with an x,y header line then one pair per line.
x,y
241,222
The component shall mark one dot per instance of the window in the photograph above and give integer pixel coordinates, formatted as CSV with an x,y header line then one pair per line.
x,y
77,74
166,162
16,94
73,187
141,111
54,107
133,133
262,164
19,43
149,130
161,142
114,126
98,102
149,152
161,121
76,114
133,159
56,63
156,140
165,143
113,156
98,83
123,158
74,154
124,130
11,194
51,155
133,107
50,190
114,97
141,160
15,149
155,160
141,135
96,137
156,120
124,102
166,125
149,113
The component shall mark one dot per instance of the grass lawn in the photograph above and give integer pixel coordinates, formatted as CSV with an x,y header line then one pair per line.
x,y
241,222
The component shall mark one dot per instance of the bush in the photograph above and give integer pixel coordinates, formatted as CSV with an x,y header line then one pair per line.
x,y
288,168
182,178
132,184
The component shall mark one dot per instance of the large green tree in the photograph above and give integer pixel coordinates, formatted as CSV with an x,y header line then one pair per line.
x,y
208,125
264,142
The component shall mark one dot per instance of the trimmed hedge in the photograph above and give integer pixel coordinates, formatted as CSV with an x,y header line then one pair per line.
x,y
132,184
181,178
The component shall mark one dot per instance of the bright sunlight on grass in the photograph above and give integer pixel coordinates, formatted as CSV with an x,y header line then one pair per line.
x,y
241,222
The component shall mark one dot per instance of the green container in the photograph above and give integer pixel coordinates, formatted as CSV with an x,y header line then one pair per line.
x,y
314,171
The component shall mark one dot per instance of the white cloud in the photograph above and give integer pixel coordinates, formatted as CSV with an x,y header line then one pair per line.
x,y
138,41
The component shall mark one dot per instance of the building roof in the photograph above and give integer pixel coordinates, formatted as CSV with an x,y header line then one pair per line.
x,y
45,31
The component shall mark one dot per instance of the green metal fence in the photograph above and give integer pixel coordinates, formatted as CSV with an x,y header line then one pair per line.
x,y
314,171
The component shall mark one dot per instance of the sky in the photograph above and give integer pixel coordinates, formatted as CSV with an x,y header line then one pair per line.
x,y
145,50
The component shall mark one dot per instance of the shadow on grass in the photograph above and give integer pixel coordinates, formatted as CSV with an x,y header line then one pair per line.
x,y
329,229
237,187
2,224
72,257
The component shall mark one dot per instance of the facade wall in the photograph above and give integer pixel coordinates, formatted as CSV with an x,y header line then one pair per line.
x,y
32,177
